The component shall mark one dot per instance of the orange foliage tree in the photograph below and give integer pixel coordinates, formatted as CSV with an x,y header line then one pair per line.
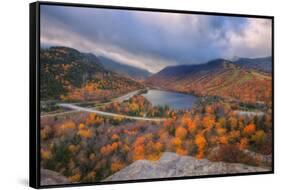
x,y
65,127
138,149
249,129
191,125
106,150
93,119
208,121
243,143
201,143
181,133
116,166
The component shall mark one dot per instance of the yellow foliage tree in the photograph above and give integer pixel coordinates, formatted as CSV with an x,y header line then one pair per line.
x,y
46,154
85,133
259,137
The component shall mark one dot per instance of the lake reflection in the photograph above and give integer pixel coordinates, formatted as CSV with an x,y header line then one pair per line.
x,y
174,100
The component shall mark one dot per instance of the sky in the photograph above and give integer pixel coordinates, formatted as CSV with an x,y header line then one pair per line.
x,y
154,40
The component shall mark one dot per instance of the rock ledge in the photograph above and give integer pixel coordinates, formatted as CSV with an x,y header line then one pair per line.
x,y
49,177
173,165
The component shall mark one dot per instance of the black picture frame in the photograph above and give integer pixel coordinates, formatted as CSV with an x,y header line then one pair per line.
x,y
34,96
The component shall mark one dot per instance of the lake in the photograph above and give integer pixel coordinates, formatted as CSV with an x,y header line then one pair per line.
x,y
174,100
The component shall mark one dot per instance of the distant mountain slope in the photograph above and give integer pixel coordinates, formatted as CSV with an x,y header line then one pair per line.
x,y
173,165
68,74
261,64
126,70
217,78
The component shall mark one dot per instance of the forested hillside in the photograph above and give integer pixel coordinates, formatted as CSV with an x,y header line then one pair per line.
x,y
68,75
216,78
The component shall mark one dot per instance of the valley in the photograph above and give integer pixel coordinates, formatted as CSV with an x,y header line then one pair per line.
x,y
95,122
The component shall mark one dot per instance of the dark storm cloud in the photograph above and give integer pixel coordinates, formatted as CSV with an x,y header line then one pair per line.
x,y
154,40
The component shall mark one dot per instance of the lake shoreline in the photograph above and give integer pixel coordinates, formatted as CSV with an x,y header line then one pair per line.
x,y
174,100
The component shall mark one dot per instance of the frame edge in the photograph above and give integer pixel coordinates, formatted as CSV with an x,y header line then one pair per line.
x,y
33,137
34,144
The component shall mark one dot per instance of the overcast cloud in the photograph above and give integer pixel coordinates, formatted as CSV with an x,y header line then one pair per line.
x,y
154,40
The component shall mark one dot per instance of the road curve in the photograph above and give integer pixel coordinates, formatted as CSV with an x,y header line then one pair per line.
x,y
102,113
58,114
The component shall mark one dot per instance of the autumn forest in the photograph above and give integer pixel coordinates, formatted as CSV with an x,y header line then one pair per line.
x,y
87,146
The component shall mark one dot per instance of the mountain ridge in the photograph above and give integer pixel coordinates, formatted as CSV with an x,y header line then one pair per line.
x,y
126,70
218,77
263,64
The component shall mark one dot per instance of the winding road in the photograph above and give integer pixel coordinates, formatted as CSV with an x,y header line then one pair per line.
x,y
102,113
74,107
